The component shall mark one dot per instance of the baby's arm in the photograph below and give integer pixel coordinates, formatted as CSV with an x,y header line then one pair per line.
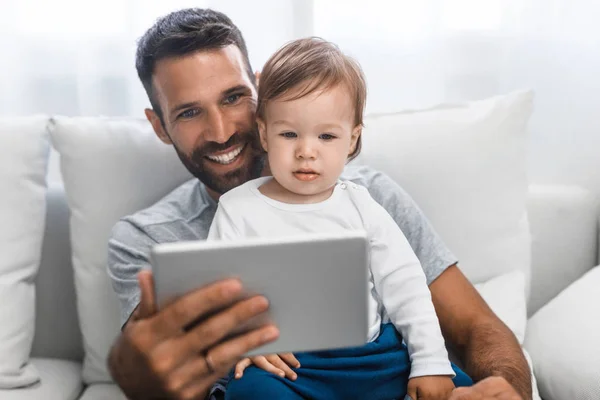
x,y
402,287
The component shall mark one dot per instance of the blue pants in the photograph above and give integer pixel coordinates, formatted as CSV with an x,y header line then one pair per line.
x,y
377,370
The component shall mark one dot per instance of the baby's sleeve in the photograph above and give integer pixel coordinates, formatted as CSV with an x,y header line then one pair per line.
x,y
402,287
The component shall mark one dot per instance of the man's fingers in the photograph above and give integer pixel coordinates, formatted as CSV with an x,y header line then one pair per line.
x,y
263,363
194,370
197,390
493,386
466,393
241,366
411,393
147,306
290,360
213,330
196,304
226,354
276,361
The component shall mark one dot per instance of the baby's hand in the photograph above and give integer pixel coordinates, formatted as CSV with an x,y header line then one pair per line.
x,y
278,364
430,388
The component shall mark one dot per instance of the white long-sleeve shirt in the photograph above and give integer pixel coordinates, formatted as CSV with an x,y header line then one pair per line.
x,y
397,284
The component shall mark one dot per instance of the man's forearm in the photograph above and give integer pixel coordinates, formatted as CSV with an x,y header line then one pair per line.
x,y
492,350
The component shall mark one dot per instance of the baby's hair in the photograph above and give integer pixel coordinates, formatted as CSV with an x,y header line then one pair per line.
x,y
319,65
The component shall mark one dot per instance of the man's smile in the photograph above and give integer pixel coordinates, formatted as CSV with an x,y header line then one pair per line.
x,y
227,156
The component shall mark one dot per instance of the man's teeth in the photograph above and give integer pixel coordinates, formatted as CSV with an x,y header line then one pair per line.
x,y
227,158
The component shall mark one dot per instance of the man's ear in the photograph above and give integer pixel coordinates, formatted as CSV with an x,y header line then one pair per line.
x,y
262,131
157,126
356,132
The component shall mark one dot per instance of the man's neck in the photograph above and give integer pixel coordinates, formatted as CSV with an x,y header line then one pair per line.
x,y
215,195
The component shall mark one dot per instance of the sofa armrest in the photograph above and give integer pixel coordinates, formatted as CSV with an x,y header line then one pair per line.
x,y
565,242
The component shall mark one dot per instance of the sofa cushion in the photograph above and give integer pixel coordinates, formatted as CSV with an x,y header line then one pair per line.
x,y
103,391
511,309
563,338
24,149
57,333
59,380
465,166
111,167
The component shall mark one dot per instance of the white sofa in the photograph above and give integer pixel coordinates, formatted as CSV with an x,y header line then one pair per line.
x,y
101,161
558,260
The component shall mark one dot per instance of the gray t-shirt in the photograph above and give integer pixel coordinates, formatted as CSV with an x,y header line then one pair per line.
x,y
187,212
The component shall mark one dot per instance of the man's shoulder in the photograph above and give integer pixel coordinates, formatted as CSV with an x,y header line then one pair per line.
x,y
186,205
380,186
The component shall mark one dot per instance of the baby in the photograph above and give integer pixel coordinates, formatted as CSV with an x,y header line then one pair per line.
x,y
311,99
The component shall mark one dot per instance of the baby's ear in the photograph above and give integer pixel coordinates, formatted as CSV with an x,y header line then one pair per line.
x,y
356,132
262,131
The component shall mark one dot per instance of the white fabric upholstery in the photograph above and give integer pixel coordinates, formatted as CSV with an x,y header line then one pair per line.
x,y
505,295
563,338
111,167
59,380
564,226
103,391
465,166
57,333
24,148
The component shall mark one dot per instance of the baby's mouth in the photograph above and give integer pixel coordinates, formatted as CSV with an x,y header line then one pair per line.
x,y
305,174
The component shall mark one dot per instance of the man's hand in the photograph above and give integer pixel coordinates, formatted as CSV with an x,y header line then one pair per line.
x,y
492,388
430,388
278,364
156,357
484,344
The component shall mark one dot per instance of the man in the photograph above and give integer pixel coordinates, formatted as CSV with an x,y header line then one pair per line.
x,y
195,68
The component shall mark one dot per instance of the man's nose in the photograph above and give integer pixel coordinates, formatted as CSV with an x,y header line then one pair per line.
x,y
305,150
219,129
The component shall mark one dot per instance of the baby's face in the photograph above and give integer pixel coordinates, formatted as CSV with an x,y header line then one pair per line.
x,y
308,140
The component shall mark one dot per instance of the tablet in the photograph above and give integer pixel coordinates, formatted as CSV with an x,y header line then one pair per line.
x,y
317,284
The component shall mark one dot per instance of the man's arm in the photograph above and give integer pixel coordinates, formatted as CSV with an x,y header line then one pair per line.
x,y
484,344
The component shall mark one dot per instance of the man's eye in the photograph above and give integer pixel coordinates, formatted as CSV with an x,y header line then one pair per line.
x,y
233,98
288,135
187,114
326,136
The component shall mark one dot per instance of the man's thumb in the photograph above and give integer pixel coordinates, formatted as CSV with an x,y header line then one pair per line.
x,y
147,305
411,392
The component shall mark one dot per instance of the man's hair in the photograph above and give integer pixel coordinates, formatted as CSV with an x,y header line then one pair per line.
x,y
317,64
181,33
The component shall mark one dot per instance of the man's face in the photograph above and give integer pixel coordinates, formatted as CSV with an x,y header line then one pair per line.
x,y
208,104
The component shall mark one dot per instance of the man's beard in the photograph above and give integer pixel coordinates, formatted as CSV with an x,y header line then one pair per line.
x,y
223,183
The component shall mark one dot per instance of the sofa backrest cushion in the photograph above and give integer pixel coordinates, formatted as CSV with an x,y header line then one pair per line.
x,y
24,149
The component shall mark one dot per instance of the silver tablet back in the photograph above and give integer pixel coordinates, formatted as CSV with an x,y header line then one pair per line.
x,y
316,284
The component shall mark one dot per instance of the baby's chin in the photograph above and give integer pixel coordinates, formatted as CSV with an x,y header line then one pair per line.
x,y
309,189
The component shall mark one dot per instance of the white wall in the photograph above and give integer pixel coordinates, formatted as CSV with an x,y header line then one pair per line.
x,y
415,54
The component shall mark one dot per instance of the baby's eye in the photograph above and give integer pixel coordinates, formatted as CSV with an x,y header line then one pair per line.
x,y
326,136
288,135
